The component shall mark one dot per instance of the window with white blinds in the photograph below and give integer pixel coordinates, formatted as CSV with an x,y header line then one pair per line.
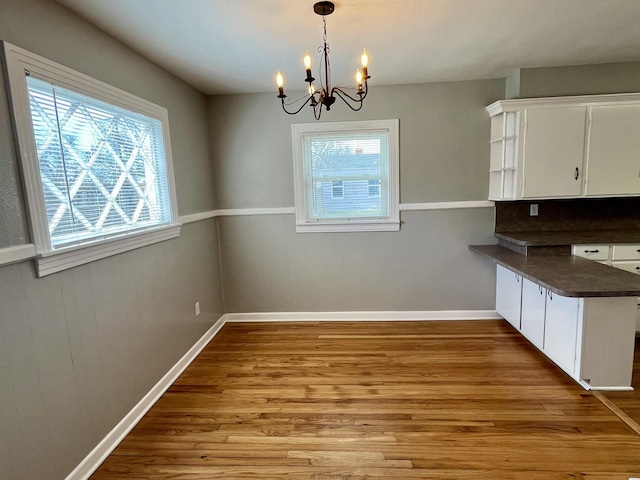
x,y
102,167
96,160
346,176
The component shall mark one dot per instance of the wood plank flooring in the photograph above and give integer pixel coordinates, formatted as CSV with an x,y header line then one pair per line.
x,y
393,400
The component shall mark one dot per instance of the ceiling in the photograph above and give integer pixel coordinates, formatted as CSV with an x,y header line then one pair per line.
x,y
236,46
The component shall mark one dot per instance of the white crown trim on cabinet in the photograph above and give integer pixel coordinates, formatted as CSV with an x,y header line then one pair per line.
x,y
516,104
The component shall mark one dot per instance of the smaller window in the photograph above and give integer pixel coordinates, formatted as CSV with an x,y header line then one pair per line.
x,y
346,176
337,190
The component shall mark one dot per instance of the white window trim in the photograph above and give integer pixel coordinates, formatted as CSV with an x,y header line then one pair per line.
x,y
17,60
303,225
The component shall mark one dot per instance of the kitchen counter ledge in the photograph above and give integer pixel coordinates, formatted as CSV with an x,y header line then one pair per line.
x,y
566,275
569,237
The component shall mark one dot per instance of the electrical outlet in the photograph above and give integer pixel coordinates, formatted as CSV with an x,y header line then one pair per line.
x,y
533,210
197,308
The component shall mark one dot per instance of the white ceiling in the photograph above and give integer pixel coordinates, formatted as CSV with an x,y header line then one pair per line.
x,y
236,46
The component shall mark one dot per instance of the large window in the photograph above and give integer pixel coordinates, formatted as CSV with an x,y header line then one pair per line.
x,y
96,160
346,176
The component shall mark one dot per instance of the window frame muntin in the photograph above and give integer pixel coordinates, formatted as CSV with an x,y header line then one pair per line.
x,y
16,62
303,223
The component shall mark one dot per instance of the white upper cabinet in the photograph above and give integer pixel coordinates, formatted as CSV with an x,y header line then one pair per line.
x,y
565,147
553,152
614,150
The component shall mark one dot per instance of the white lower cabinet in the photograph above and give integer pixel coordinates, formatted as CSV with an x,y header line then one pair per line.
x,y
562,322
533,312
508,295
592,339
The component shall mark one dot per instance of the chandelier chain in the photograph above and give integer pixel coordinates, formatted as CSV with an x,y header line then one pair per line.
x,y
324,26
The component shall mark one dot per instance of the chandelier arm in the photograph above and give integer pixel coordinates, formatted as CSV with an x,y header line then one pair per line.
x,y
317,110
342,94
284,105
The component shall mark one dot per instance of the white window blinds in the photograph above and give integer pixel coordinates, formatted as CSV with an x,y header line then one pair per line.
x,y
339,169
102,167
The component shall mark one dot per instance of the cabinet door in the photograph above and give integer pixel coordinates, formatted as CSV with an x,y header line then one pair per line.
x,y
553,152
508,295
533,309
614,151
561,331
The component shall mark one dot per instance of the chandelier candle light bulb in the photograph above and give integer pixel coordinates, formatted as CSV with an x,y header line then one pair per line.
x,y
326,94
307,66
280,83
365,63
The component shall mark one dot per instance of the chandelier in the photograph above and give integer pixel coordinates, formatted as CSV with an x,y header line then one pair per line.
x,y
326,95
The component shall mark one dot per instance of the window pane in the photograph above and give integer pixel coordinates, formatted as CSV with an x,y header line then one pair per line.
x,y
102,167
340,168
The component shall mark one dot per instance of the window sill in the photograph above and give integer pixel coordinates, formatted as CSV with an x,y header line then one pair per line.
x,y
53,262
326,227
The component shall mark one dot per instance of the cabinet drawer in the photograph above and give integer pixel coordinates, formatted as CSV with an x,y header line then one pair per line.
x,y
626,252
592,252
633,267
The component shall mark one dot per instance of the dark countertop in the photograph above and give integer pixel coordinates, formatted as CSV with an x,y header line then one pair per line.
x,y
566,275
569,237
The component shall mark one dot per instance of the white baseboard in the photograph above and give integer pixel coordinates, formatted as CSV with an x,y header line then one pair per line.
x,y
98,455
108,444
363,316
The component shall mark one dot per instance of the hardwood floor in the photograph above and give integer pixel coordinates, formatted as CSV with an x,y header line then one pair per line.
x,y
394,400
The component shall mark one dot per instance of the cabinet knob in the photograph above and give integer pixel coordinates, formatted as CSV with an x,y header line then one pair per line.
x,y
577,173
594,251
637,268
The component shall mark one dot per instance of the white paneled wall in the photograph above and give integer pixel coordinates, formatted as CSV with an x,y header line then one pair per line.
x,y
80,348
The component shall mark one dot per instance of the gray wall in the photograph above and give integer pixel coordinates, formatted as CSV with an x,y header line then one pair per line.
x,y
13,225
580,80
444,157
80,348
